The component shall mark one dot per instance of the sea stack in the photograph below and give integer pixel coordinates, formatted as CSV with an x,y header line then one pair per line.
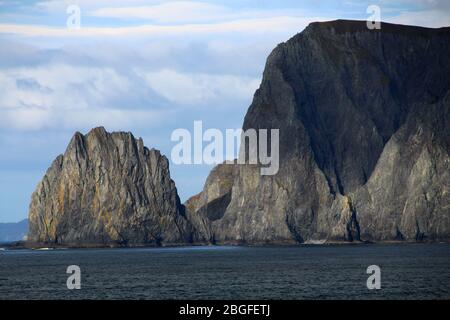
x,y
107,188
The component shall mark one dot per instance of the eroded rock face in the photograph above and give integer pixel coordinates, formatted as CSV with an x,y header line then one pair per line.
x,y
210,205
108,188
364,126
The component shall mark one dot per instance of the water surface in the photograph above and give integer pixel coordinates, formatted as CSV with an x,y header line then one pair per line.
x,y
415,271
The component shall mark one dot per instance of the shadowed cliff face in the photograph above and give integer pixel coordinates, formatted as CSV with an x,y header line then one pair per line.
x,y
364,140
107,188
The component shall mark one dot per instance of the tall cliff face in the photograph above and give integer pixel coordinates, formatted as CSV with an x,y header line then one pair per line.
x,y
108,188
364,120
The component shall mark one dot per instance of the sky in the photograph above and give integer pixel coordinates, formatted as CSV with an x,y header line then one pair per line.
x,y
148,67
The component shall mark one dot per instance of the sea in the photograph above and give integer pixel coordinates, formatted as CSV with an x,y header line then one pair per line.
x,y
403,271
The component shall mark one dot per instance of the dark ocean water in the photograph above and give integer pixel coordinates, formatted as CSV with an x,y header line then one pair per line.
x,y
415,271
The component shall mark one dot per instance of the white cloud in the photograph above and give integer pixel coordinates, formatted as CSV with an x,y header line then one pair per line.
x,y
73,96
260,26
176,11
429,18
201,89
35,118
58,6
63,96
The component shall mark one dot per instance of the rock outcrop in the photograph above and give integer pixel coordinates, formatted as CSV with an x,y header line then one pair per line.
x,y
364,149
210,205
364,120
108,188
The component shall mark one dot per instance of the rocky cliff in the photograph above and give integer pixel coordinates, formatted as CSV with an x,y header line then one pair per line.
x,y
108,188
364,123
364,120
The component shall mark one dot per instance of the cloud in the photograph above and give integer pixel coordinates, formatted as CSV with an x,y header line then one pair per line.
x,y
429,18
176,11
31,84
424,5
201,89
58,6
35,118
256,26
64,96
86,88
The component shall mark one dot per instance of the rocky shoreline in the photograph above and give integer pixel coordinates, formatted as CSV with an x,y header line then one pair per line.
x,y
45,246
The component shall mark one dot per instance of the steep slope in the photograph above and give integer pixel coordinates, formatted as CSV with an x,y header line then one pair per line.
x,y
107,188
364,139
